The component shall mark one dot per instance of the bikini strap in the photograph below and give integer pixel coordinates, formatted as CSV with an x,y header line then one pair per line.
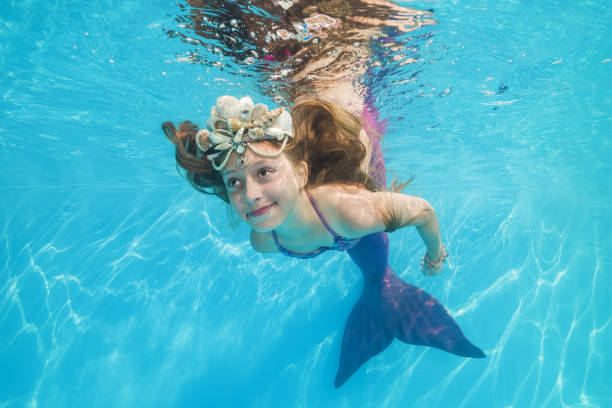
x,y
321,217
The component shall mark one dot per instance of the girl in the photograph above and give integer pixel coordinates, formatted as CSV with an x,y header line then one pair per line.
x,y
313,180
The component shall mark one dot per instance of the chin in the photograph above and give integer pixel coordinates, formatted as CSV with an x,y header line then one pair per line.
x,y
261,229
262,226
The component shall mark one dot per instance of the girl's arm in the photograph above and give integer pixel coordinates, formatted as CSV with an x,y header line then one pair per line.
x,y
404,210
358,212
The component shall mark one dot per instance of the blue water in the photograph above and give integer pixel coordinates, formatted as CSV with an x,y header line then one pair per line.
x,y
120,286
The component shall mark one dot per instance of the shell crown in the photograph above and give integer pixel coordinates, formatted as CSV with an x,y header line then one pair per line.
x,y
234,123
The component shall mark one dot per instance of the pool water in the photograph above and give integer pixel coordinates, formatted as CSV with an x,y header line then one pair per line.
x,y
121,286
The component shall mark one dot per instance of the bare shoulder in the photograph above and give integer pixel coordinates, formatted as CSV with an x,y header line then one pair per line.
x,y
351,211
263,242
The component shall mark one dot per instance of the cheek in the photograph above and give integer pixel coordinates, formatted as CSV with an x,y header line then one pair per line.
x,y
235,202
285,192
287,195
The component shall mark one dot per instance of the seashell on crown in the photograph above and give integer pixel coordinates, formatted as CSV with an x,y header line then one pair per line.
x,y
235,123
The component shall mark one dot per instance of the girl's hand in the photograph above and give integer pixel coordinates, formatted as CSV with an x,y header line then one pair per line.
x,y
433,267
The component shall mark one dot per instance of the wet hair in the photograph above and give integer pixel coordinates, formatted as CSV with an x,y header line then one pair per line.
x,y
328,141
326,138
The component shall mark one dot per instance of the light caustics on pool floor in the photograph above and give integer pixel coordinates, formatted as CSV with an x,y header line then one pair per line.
x,y
120,286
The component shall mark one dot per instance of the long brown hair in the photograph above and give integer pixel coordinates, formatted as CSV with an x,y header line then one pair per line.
x,y
326,138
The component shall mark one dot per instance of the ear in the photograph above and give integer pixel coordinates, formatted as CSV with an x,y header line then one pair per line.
x,y
301,173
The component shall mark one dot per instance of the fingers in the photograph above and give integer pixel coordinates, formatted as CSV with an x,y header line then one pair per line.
x,y
430,271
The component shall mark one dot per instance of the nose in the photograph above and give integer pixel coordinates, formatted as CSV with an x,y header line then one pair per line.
x,y
252,191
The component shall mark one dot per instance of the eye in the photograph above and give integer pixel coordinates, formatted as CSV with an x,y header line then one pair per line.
x,y
264,172
232,183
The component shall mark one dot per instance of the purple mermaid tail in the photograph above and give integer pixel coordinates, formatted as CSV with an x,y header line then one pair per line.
x,y
389,308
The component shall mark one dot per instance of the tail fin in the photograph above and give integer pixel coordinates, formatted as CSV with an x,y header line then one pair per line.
x,y
365,335
400,310
389,308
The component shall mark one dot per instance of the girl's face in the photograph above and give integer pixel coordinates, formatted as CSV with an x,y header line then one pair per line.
x,y
264,193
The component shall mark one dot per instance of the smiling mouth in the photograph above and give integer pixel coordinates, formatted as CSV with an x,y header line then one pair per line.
x,y
261,211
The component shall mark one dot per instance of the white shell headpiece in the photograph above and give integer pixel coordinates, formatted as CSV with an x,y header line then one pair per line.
x,y
234,124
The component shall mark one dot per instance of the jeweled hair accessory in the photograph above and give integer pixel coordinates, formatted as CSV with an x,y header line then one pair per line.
x,y
234,124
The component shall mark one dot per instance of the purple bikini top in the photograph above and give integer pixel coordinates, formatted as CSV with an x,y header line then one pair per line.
x,y
340,243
